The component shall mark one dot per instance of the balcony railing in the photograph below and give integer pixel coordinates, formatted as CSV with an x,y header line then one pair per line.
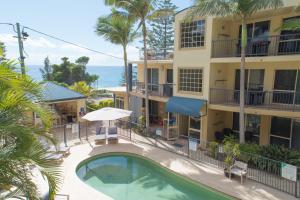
x,y
259,46
283,100
161,90
157,54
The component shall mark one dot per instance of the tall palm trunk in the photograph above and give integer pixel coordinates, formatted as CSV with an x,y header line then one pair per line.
x,y
126,76
242,80
146,75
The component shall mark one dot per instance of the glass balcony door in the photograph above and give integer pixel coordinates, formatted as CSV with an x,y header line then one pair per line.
x,y
252,125
254,85
153,80
287,87
289,42
258,38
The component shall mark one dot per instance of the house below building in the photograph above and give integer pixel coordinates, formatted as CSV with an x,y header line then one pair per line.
x,y
68,106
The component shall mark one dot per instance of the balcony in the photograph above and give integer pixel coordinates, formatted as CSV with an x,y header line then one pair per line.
x,y
280,100
160,90
259,46
157,54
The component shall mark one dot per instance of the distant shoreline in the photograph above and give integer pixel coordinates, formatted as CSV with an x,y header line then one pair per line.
x,y
109,76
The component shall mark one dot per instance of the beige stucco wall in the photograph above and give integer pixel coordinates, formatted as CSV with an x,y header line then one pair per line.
x,y
123,95
192,57
220,73
162,71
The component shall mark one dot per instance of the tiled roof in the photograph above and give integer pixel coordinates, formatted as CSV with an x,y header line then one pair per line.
x,y
54,92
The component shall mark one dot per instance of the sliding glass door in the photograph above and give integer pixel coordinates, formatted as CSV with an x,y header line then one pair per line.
x,y
289,42
296,135
285,132
254,85
287,87
153,79
252,125
258,38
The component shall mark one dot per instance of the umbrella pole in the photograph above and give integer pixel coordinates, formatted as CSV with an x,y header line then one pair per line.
x,y
86,130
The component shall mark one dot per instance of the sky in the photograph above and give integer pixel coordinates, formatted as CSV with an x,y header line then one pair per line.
x,y
72,20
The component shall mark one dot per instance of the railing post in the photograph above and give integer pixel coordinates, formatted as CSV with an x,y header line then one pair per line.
x,y
130,126
65,137
79,134
296,184
86,130
188,147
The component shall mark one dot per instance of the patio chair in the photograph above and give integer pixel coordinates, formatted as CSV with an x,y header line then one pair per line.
x,y
239,168
62,148
112,135
56,156
219,136
100,135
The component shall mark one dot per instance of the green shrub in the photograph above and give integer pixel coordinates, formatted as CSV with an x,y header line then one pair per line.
x,y
231,149
140,127
213,147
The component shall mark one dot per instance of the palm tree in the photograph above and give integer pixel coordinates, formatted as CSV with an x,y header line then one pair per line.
x,y
20,149
118,29
242,10
82,88
141,11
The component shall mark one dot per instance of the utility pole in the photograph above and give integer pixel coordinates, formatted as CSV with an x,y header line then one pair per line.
x,y
21,48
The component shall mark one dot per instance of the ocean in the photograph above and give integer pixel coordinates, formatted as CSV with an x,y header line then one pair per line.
x,y
108,76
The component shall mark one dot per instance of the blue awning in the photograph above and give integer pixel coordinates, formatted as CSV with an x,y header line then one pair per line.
x,y
185,106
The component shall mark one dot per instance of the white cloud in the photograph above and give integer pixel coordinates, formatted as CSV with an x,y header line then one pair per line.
x,y
37,48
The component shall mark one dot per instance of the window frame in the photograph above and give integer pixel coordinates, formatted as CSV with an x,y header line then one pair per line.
x,y
179,82
282,137
119,101
247,116
181,35
292,92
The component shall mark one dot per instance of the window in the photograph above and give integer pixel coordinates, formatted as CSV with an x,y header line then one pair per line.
x,y
153,111
190,80
193,34
254,79
169,75
195,123
287,87
119,102
258,38
257,31
252,126
153,79
285,132
289,39
296,135
280,131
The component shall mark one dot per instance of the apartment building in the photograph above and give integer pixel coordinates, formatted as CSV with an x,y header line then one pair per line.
x,y
197,92
211,45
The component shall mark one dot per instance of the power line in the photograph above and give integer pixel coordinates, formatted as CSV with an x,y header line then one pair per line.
x,y
71,43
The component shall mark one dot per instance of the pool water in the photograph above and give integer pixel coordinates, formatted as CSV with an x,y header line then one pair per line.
x,y
129,177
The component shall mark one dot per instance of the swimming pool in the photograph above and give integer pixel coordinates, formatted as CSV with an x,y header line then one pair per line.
x,y
125,176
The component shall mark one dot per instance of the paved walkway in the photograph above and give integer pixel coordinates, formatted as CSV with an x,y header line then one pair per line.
x,y
199,172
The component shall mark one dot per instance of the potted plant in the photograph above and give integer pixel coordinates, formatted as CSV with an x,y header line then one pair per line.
x,y
232,151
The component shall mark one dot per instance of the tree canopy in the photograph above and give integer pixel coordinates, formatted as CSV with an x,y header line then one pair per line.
x,y
2,51
82,88
68,72
161,30
20,149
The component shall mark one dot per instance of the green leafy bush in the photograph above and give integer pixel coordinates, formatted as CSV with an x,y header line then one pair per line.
x,y
213,147
231,149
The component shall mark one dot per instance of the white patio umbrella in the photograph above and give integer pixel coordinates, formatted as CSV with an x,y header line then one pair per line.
x,y
107,114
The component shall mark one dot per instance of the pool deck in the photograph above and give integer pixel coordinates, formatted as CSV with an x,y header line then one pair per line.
x,y
199,172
